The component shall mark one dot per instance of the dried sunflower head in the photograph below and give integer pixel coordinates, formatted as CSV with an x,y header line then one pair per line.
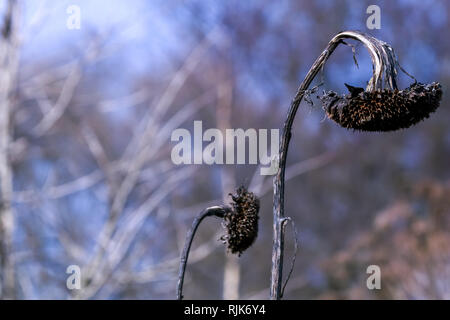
x,y
382,110
241,221
381,106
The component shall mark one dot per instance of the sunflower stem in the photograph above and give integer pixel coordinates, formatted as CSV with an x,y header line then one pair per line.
x,y
383,59
218,211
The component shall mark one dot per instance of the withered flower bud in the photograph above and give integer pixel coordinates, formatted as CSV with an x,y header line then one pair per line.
x,y
242,221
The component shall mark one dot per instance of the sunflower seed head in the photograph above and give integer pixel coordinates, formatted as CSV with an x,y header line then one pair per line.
x,y
383,110
242,221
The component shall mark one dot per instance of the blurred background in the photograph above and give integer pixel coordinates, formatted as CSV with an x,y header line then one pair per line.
x,y
86,177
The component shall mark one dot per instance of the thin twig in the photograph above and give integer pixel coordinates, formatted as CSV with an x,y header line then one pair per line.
x,y
294,256
218,211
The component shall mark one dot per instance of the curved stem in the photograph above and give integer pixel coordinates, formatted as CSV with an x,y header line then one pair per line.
x,y
217,211
380,59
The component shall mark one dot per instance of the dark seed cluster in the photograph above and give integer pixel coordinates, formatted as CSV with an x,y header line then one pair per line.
x,y
242,221
384,110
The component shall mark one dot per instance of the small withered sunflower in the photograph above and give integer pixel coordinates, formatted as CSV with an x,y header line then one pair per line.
x,y
241,222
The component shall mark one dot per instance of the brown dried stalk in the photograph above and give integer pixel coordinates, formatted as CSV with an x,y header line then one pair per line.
x,y
217,211
347,112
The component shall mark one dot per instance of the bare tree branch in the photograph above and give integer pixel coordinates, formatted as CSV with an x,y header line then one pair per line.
x,y
8,67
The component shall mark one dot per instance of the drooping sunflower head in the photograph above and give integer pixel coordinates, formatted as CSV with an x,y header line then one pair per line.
x,y
383,110
381,106
241,222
